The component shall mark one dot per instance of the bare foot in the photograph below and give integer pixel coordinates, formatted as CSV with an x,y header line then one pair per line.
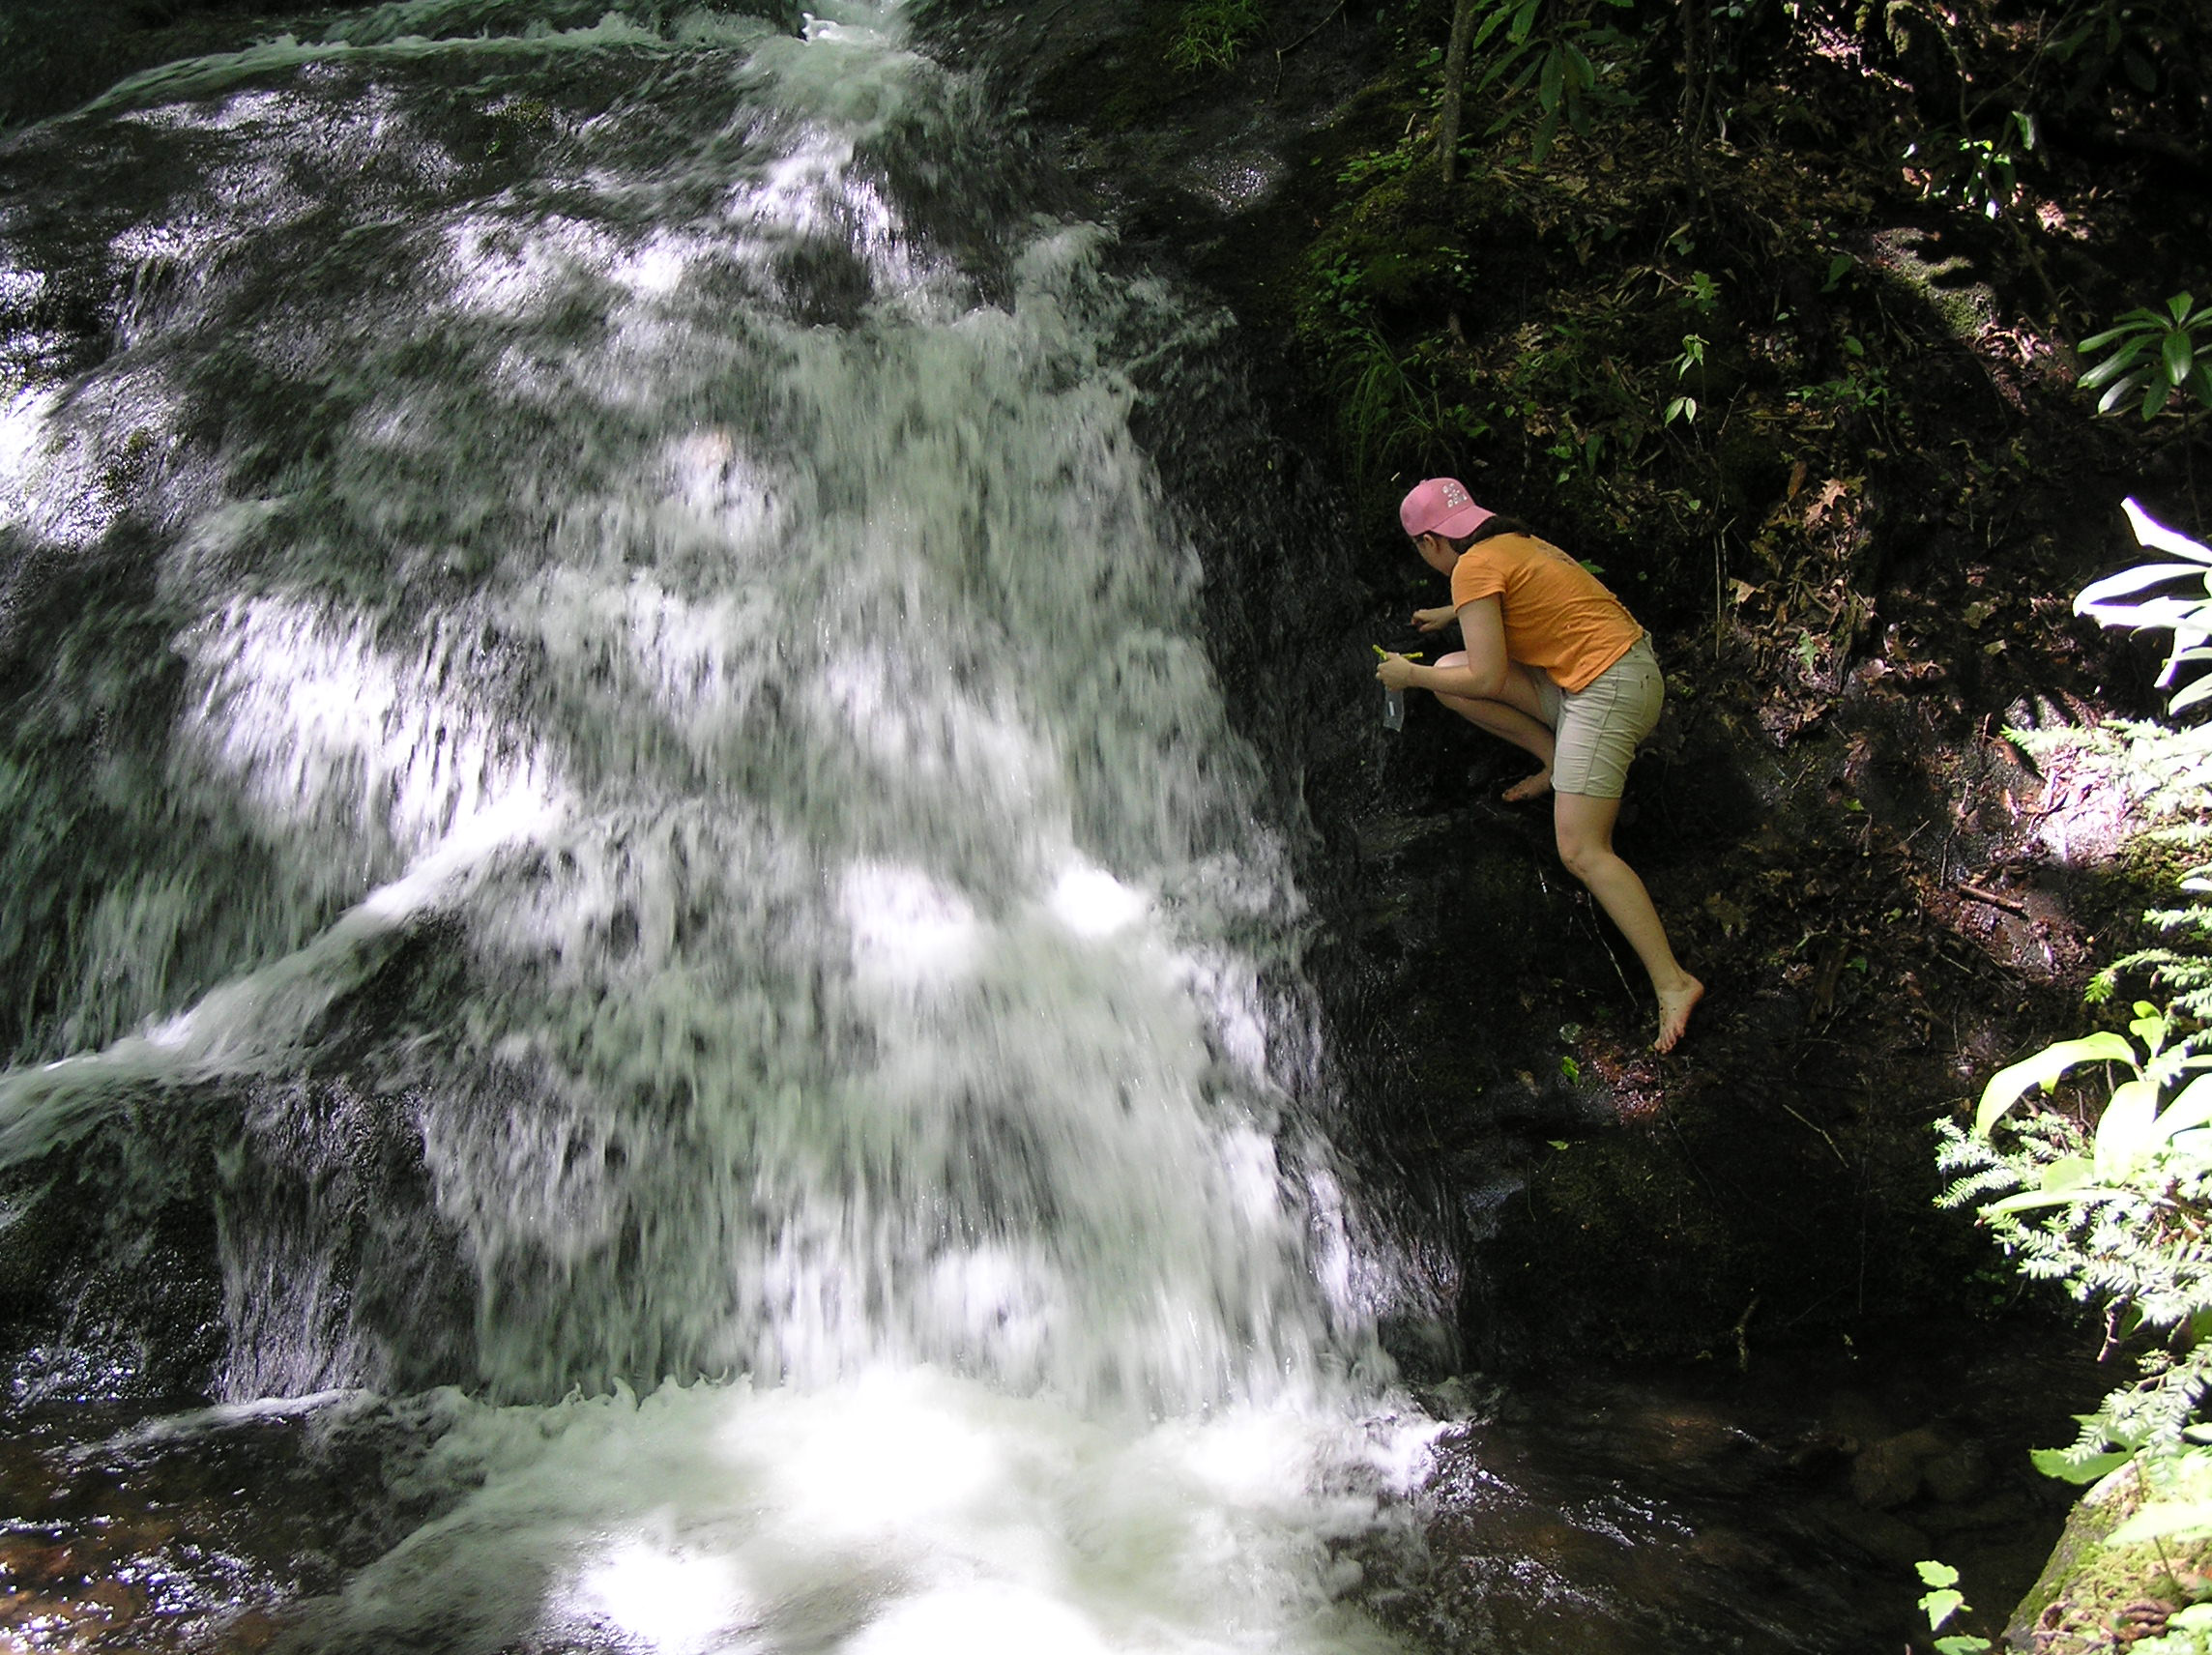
x,y
1675,1008
1530,786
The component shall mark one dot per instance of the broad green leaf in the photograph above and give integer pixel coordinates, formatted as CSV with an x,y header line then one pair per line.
x,y
1961,1643
2125,1137
2148,1026
1941,1606
2165,1520
2179,354
2133,335
2200,690
2068,1172
2190,1109
2120,390
2054,1462
2133,580
2030,1200
2044,1069
2154,535
1934,1573
2160,613
1540,143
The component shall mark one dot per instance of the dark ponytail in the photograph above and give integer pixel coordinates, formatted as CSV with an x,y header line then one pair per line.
x,y
1491,528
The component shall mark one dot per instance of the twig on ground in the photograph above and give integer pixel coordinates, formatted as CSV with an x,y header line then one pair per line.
x,y
2011,905
1821,1130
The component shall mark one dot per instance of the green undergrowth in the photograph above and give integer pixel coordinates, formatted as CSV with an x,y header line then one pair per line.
x,y
1664,325
2089,1161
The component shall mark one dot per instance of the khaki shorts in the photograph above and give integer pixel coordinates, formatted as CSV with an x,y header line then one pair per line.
x,y
1599,725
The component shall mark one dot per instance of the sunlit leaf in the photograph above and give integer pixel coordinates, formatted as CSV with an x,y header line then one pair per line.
x,y
1941,1606
2119,390
2192,1108
2033,1201
2068,1172
2114,586
2098,341
2154,535
2124,1133
2057,1463
2165,1520
2044,1069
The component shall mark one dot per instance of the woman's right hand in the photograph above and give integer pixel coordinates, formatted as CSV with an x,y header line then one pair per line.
x,y
1434,619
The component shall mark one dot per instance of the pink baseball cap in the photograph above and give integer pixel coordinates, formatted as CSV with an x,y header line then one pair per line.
x,y
1441,506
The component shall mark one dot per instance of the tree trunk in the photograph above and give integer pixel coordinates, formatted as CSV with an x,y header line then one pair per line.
x,y
1455,79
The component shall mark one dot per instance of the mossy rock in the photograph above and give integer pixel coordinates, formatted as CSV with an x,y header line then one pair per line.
x,y
2087,1588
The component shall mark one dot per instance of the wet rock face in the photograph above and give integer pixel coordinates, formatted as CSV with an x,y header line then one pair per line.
x,y
111,1282
125,1528
55,54
1707,1509
208,1247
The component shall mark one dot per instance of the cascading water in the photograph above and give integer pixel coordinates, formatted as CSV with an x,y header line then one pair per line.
x,y
614,762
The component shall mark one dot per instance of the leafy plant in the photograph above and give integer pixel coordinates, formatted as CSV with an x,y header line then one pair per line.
x,y
2097,38
1211,33
1377,164
2114,1202
1858,387
1693,357
1941,1601
1547,42
2188,1631
1975,172
2188,615
2158,353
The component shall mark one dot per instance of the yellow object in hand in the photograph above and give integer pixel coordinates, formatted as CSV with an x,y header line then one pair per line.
x,y
1380,651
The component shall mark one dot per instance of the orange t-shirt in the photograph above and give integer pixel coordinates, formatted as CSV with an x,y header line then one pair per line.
x,y
1557,616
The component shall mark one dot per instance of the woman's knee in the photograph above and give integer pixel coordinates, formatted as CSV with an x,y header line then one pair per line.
x,y
1583,847
1580,856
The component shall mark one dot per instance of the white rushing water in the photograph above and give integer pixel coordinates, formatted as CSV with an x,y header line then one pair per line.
x,y
701,587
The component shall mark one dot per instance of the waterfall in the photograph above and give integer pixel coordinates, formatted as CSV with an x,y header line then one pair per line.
x,y
614,763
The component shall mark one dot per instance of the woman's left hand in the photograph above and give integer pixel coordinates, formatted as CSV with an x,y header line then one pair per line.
x,y
1394,672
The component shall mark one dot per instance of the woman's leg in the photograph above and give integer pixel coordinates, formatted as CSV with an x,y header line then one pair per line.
x,y
1583,825
1518,718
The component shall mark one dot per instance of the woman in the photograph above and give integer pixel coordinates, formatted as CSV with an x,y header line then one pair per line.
x,y
1555,665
